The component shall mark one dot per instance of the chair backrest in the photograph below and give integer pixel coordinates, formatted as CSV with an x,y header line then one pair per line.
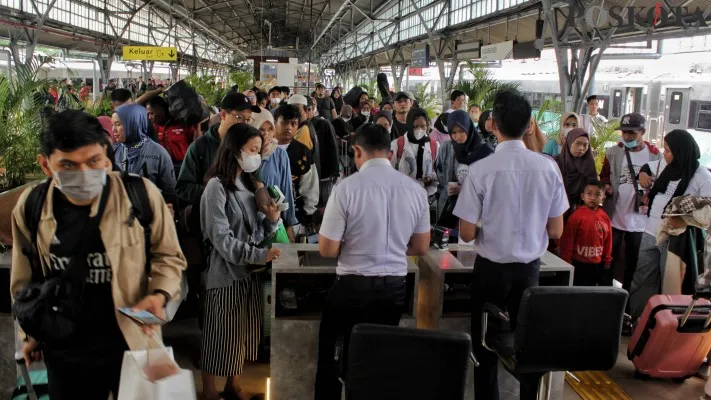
x,y
569,328
386,362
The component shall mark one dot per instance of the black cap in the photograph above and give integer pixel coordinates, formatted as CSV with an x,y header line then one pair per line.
x,y
632,121
239,102
402,95
320,85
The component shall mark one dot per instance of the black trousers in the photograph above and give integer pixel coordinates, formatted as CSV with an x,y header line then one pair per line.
x,y
84,380
632,242
587,274
502,285
353,299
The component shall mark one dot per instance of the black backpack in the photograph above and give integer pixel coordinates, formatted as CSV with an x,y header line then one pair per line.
x,y
140,210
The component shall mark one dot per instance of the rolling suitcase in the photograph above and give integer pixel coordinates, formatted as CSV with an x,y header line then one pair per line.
x,y
672,337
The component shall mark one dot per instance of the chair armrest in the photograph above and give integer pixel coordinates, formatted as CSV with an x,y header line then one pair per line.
x,y
496,312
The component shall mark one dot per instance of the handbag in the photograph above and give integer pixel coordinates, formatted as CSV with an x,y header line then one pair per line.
x,y
48,310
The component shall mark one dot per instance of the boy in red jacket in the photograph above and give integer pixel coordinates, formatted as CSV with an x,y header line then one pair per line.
x,y
587,239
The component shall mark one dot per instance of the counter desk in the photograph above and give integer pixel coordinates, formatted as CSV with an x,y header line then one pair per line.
x,y
445,303
300,282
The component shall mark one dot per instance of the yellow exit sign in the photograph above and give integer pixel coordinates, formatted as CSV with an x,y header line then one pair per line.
x,y
150,53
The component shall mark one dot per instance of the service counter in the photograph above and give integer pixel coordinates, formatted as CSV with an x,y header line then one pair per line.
x,y
300,282
444,302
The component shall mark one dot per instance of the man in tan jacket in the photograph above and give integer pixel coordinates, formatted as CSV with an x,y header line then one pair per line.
x,y
88,364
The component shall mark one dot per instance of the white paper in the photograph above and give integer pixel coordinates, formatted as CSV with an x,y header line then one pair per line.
x,y
134,385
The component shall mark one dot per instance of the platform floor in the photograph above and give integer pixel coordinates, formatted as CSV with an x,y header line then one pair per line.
x,y
184,336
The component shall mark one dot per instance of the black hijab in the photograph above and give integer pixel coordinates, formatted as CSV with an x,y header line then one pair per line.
x,y
411,116
686,155
474,149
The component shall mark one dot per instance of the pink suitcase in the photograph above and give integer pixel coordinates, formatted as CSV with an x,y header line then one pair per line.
x,y
672,337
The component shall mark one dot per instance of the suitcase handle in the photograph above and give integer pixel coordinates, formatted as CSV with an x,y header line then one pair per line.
x,y
20,360
689,309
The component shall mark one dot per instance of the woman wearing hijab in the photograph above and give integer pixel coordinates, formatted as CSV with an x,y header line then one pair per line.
x,y
534,139
456,155
414,154
343,124
337,99
577,165
440,133
363,116
486,130
568,122
679,174
137,154
384,119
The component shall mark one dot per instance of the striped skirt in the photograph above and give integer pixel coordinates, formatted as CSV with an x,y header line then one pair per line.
x,y
232,327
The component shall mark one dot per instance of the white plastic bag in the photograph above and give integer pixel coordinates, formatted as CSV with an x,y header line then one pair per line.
x,y
153,375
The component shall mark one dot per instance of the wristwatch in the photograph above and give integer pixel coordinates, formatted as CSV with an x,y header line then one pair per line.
x,y
165,294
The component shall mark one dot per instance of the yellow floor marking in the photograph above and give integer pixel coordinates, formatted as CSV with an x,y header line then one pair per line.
x,y
596,385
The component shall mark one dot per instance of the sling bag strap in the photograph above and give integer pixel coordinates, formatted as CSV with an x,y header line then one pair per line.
x,y
633,176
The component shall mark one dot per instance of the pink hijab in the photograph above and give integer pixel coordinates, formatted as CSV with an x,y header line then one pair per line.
x,y
108,127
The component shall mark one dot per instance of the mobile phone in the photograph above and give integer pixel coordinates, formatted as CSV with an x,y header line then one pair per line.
x,y
142,317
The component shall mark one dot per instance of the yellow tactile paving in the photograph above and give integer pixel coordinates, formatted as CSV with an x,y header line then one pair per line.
x,y
595,385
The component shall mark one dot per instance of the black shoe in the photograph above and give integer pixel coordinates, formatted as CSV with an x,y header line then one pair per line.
x,y
627,326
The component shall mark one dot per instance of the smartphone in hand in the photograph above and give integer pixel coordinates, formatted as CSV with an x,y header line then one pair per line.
x,y
142,317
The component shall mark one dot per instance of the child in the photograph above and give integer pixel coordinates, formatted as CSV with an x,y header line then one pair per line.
x,y
587,239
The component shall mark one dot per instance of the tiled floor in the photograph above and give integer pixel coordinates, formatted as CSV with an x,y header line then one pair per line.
x,y
185,339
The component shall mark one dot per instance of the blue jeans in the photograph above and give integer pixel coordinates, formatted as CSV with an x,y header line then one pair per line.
x,y
647,280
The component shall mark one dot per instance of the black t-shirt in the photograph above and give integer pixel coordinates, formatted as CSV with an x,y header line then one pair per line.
x,y
325,105
98,329
399,129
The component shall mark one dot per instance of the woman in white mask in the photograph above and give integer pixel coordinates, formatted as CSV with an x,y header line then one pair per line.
x,y
568,122
363,116
230,221
414,154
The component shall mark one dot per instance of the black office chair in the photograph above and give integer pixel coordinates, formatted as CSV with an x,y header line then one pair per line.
x,y
558,329
387,362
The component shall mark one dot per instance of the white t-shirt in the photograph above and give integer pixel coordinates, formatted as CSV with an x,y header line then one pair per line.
x,y
461,172
625,218
408,162
700,185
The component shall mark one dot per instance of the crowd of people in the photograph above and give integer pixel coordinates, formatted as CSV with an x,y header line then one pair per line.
x,y
490,175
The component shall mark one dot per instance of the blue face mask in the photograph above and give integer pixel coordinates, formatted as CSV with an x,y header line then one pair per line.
x,y
630,145
476,124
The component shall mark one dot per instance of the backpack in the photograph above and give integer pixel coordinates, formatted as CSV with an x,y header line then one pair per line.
x,y
140,210
401,147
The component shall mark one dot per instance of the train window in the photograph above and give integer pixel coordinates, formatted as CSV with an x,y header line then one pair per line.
x,y
704,117
617,103
677,99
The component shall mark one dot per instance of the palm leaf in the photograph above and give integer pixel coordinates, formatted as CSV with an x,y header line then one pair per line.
x,y
483,88
606,134
22,99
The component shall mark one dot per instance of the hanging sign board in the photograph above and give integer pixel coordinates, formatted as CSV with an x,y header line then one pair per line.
x,y
421,57
498,51
150,53
469,51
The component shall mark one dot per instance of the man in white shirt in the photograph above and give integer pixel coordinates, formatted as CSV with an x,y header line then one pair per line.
x,y
593,117
459,101
374,219
511,202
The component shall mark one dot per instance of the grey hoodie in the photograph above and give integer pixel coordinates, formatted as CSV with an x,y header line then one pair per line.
x,y
158,167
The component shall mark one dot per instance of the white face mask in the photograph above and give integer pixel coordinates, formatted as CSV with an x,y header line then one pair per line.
x,y
315,112
365,113
419,133
250,162
566,131
346,119
275,101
